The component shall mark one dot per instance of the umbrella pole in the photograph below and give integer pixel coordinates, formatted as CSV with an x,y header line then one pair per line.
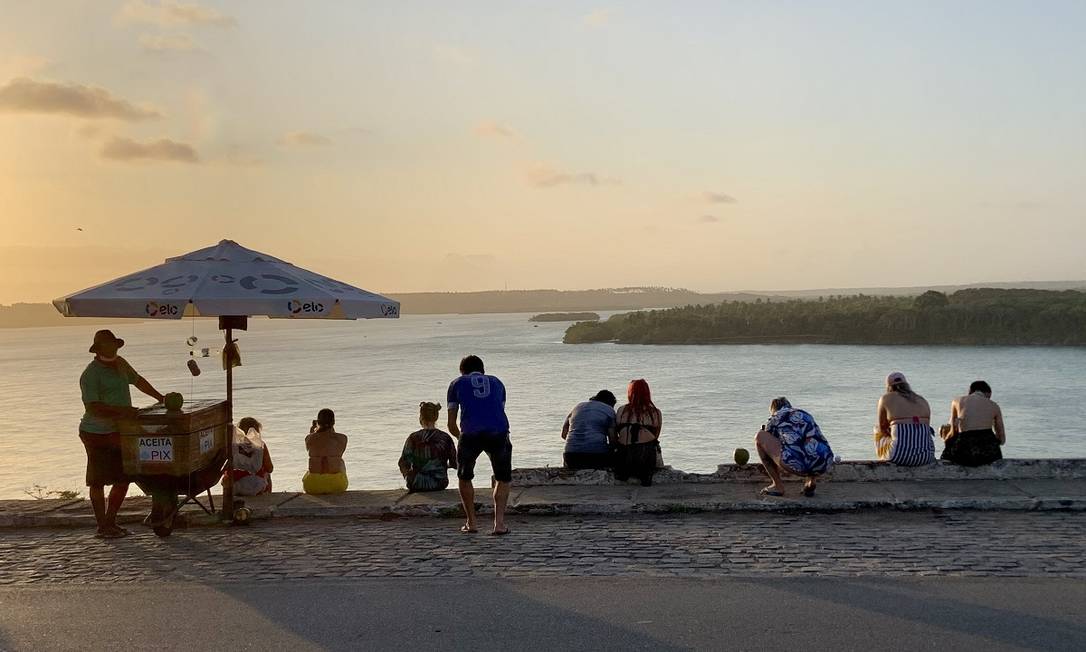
x,y
228,487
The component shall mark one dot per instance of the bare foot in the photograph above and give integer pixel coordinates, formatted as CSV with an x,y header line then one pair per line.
x,y
112,532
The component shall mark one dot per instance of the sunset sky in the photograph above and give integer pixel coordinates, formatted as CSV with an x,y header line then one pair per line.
x,y
410,146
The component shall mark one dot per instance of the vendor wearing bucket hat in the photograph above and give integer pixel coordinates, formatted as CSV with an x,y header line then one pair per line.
x,y
104,386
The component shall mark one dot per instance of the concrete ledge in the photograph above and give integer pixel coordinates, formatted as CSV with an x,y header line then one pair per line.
x,y
603,499
846,471
1044,484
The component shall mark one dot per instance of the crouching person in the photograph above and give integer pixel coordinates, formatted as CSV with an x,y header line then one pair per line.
x,y
791,442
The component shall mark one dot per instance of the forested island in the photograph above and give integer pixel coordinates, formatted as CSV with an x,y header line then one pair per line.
x,y
983,316
565,316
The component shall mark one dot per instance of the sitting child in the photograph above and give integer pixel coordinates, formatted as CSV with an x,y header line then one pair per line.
x,y
251,475
327,474
428,454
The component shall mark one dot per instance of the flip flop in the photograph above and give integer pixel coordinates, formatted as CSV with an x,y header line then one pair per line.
x,y
766,491
467,530
111,534
499,533
809,492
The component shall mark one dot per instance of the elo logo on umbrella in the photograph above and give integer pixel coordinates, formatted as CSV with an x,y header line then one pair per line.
x,y
297,307
280,285
153,309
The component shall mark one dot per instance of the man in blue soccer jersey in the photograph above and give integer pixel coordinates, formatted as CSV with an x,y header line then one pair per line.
x,y
479,401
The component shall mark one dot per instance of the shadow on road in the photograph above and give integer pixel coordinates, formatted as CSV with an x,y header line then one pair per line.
x,y
1009,623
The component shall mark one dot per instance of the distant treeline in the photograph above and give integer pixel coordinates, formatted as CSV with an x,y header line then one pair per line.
x,y
983,316
565,316
529,301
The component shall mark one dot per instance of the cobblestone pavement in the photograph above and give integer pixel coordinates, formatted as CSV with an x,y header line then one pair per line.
x,y
879,543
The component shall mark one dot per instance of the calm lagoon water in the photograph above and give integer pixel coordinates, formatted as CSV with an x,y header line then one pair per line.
x,y
374,373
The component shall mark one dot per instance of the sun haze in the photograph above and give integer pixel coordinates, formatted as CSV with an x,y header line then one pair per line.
x,y
450,146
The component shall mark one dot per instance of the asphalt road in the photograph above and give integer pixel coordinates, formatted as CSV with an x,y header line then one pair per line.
x,y
583,613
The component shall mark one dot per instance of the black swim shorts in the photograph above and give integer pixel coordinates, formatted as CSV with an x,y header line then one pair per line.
x,y
496,446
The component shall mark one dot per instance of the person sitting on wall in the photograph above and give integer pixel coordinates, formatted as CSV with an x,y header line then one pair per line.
x,y
588,431
637,435
903,434
327,473
976,428
428,454
251,474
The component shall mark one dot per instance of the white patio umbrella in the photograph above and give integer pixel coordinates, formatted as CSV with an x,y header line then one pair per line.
x,y
230,282
226,280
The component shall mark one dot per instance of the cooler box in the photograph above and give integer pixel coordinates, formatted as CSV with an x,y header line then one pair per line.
x,y
158,442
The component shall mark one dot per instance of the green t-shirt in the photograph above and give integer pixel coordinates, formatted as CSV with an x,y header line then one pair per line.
x,y
105,383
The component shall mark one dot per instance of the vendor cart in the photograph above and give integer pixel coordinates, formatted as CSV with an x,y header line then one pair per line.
x,y
233,283
176,453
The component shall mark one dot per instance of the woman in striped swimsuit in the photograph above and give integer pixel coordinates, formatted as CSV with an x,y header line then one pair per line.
x,y
903,435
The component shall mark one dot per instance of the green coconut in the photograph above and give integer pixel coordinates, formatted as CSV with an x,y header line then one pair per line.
x,y
173,401
742,456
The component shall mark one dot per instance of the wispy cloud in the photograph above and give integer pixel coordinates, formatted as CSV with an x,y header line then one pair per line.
x,y
718,198
169,43
597,18
543,176
304,139
491,129
708,219
170,14
126,149
25,95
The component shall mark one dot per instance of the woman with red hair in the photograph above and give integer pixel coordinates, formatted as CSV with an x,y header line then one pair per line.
x,y
637,434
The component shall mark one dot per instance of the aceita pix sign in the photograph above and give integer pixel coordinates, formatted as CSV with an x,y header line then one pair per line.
x,y
156,449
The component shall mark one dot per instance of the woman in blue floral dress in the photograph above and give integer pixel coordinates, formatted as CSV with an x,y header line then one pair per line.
x,y
791,442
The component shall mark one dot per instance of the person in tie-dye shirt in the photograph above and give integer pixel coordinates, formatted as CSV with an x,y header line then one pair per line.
x,y
428,454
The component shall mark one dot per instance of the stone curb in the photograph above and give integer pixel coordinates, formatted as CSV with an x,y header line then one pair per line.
x,y
596,508
846,471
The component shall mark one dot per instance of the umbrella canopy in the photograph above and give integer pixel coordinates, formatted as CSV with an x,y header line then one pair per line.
x,y
227,280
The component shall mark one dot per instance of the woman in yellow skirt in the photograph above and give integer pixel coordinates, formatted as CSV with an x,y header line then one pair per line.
x,y
327,474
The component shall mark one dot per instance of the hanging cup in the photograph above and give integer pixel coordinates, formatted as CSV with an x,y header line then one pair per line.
x,y
194,368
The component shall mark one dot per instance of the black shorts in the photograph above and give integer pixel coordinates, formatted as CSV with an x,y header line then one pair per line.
x,y
104,465
496,446
973,448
